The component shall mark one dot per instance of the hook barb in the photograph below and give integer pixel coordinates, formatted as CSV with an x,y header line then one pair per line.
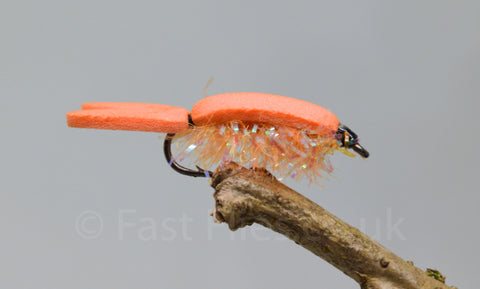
x,y
167,144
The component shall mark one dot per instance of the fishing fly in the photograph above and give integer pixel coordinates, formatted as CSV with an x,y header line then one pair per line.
x,y
287,136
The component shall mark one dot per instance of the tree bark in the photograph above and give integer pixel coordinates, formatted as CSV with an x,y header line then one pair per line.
x,y
243,197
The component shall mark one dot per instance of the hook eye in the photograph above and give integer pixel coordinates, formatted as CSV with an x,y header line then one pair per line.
x,y
360,150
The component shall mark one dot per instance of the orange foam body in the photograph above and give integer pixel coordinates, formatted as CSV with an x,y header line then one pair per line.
x,y
130,116
264,108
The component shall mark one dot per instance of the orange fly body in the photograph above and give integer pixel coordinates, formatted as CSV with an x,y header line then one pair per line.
x,y
287,136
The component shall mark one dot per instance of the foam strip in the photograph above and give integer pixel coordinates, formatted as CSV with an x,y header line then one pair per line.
x,y
130,116
264,108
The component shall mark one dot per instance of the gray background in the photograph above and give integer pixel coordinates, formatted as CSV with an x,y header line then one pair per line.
x,y
404,75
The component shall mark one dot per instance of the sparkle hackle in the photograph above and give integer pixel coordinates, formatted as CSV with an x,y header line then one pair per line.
x,y
283,151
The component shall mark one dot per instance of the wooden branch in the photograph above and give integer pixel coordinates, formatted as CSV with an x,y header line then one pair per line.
x,y
243,197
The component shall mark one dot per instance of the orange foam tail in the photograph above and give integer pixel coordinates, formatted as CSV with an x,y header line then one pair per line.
x,y
130,116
